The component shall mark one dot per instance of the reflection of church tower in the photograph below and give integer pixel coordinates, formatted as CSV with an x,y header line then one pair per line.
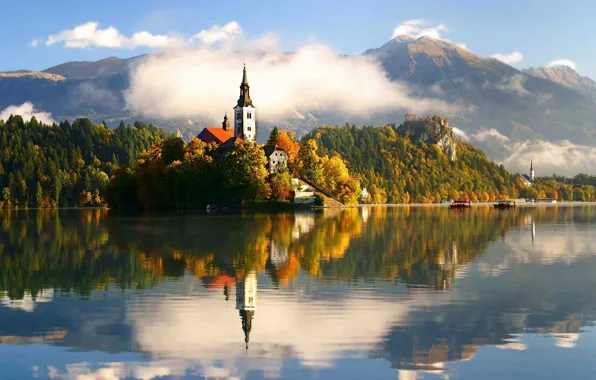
x,y
533,229
246,302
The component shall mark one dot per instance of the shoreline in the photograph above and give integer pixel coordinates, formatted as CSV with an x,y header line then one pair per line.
x,y
291,208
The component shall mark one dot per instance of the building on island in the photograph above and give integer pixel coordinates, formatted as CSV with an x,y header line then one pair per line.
x,y
246,302
528,179
245,120
277,158
245,129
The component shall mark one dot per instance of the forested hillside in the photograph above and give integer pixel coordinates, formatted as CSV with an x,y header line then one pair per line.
x,y
398,166
64,165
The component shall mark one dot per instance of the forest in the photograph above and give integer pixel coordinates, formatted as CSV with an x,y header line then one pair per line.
x,y
174,175
65,165
141,167
413,163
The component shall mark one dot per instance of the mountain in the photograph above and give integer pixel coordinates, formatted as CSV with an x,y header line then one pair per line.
x,y
566,76
485,93
488,93
89,69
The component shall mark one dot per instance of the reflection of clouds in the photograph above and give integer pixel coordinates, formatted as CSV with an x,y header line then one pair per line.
x,y
567,244
316,332
119,370
566,340
552,244
27,303
516,343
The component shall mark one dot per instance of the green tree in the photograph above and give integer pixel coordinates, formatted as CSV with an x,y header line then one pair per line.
x,y
273,136
172,149
39,195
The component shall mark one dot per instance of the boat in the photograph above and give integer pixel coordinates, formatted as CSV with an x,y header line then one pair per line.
x,y
504,203
459,204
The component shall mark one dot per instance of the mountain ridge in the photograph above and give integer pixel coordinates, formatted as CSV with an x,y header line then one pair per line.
x,y
485,92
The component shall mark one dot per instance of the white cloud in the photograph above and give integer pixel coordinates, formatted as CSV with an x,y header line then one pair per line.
x,y
34,42
563,62
461,134
219,33
484,135
91,35
27,111
417,29
420,28
204,82
510,59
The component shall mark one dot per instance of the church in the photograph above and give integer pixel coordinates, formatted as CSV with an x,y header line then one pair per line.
x,y
245,129
528,179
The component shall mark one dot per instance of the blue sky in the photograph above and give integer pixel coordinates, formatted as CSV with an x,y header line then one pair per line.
x,y
542,31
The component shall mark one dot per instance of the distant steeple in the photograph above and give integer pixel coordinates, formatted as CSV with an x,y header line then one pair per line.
x,y
226,123
244,99
531,170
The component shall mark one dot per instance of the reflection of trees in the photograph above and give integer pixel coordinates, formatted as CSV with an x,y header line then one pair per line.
x,y
66,251
86,250
419,246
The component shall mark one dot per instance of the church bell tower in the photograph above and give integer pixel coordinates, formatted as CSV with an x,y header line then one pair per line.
x,y
245,121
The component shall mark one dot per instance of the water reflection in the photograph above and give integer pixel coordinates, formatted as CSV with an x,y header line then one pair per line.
x,y
421,289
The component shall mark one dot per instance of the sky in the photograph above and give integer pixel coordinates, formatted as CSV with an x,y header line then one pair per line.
x,y
523,33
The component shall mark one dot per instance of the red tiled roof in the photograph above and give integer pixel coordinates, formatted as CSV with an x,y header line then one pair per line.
x,y
216,135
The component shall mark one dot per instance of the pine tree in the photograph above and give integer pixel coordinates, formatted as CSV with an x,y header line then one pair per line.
x,y
273,137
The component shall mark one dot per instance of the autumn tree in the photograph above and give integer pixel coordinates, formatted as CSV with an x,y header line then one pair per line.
x,y
287,141
244,173
309,162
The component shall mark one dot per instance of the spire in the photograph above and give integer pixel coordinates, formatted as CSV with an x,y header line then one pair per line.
x,y
244,99
226,123
247,316
531,165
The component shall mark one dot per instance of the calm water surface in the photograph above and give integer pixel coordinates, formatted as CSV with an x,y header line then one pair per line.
x,y
370,293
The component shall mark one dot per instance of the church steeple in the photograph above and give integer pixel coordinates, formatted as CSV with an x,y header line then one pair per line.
x,y
246,302
244,99
532,170
246,316
245,118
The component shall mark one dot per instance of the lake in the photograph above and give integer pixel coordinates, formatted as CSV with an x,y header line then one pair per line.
x,y
364,293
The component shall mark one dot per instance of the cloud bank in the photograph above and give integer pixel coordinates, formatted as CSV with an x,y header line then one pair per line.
x,y
204,82
563,62
27,111
510,59
549,157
